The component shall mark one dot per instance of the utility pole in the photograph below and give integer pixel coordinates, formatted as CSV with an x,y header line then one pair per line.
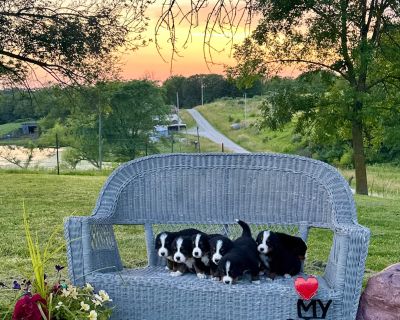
x,y
202,92
100,144
177,110
245,108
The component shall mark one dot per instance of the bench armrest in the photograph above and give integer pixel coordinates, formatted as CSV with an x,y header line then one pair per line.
x,y
346,264
91,247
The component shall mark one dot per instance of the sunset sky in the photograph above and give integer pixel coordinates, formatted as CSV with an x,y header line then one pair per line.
x,y
147,62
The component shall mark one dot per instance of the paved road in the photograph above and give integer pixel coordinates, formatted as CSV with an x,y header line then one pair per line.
x,y
208,131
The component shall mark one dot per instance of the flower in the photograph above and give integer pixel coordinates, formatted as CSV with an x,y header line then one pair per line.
x,y
27,307
89,287
59,268
65,292
97,302
93,315
74,293
104,296
59,304
84,306
16,285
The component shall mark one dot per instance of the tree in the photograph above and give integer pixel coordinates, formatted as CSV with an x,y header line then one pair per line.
x,y
172,86
349,38
135,108
70,40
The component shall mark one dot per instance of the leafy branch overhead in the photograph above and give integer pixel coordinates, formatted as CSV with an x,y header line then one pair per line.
x,y
71,41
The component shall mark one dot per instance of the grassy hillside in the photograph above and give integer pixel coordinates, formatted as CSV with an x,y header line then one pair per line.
x,y
225,112
9,127
50,198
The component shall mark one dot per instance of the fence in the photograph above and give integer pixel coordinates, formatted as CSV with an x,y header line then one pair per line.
x,y
36,153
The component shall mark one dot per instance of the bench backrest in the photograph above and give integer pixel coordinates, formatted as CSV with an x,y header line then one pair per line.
x,y
217,188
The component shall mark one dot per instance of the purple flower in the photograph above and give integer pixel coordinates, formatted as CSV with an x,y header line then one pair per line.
x,y
16,285
59,268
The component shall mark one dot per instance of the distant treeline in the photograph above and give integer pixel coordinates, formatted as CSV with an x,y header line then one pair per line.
x,y
41,103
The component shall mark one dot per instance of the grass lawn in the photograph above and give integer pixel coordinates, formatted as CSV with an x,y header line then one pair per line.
x,y
222,113
50,198
8,127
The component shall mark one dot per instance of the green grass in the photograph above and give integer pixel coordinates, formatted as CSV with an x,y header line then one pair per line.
x,y
185,143
187,118
50,198
222,113
9,127
383,180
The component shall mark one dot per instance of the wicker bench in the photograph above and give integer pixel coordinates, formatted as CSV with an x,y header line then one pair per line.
x,y
208,191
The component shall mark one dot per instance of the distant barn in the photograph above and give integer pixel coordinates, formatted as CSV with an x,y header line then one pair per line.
x,y
29,128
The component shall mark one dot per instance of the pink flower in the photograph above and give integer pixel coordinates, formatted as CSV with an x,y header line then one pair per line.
x,y
27,308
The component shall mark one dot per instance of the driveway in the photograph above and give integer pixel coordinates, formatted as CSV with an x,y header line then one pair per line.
x,y
208,131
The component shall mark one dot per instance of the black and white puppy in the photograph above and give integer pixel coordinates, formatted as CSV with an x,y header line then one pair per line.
x,y
242,258
182,249
202,254
163,245
219,246
281,254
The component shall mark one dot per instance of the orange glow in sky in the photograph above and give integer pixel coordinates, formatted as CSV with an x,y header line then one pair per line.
x,y
146,62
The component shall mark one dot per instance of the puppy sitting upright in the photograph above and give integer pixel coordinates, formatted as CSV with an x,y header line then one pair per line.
x,y
163,245
182,253
219,246
280,253
202,254
243,257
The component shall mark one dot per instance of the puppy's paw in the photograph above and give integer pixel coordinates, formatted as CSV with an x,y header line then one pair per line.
x,y
269,279
176,274
201,276
215,278
166,268
287,276
261,273
256,282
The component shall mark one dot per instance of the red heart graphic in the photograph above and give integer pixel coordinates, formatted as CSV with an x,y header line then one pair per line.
x,y
306,288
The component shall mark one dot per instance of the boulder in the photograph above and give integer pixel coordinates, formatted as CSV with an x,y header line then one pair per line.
x,y
381,297
235,126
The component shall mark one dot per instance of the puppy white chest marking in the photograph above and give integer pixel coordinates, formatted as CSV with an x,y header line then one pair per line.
x,y
189,262
265,260
205,260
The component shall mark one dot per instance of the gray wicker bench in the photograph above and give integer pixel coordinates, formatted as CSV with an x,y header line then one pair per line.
x,y
208,191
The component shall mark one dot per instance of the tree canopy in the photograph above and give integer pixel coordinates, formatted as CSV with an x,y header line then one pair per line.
x,y
73,41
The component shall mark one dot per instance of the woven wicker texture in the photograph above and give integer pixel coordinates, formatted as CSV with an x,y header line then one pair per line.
x,y
208,191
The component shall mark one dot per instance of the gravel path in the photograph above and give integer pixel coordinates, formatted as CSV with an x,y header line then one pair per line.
x,y
208,131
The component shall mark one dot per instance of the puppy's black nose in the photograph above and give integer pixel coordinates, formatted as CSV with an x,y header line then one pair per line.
x,y
261,249
216,260
178,258
162,253
227,282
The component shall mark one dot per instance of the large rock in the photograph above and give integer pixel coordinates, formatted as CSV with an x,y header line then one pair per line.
x,y
381,298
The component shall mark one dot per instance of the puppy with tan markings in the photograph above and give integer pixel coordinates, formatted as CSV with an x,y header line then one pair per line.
x,y
203,254
163,245
242,258
280,254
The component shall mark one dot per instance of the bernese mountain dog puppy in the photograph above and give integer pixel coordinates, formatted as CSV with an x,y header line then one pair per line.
x,y
219,246
243,257
163,245
280,254
182,249
202,254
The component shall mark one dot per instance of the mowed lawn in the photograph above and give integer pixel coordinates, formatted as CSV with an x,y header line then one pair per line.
x,y
50,198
